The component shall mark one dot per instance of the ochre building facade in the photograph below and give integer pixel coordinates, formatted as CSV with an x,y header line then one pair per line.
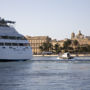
x,y
36,42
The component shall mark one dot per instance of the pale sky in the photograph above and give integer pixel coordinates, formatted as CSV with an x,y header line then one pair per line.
x,y
54,18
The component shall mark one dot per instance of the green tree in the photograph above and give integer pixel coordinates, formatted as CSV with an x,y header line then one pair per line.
x,y
57,48
41,48
67,43
88,48
47,46
75,42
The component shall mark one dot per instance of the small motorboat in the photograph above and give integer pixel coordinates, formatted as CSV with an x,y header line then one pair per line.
x,y
65,56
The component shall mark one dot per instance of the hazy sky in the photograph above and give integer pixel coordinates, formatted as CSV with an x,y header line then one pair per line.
x,y
54,18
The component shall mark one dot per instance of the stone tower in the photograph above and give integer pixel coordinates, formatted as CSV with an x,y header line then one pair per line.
x,y
79,33
72,35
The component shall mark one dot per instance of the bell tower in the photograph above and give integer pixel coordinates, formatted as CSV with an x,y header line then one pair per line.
x,y
79,33
72,35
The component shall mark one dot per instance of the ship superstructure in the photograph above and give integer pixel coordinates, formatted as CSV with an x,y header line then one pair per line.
x,y
13,46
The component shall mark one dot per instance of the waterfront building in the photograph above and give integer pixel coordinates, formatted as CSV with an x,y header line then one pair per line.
x,y
59,42
36,42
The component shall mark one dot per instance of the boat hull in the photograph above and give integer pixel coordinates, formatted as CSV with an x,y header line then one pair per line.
x,y
66,57
15,53
63,58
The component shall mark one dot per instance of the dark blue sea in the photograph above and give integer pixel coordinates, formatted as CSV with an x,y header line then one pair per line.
x,y
45,73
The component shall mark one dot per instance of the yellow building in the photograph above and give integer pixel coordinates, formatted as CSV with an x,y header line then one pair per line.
x,y
36,42
60,42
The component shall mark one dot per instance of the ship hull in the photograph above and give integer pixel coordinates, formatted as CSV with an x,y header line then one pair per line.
x,y
15,53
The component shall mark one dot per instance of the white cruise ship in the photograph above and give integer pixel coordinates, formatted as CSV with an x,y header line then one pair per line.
x,y
13,46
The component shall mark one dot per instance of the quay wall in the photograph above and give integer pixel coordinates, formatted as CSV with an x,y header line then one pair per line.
x,y
74,55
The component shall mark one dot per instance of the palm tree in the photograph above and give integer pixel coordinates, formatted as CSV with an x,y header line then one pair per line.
x,y
75,46
57,48
67,44
75,42
41,48
47,46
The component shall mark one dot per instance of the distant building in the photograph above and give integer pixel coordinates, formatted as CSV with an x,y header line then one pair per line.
x,y
36,42
59,42
82,39
72,35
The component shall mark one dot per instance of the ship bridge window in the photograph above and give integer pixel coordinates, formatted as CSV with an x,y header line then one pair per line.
x,y
14,44
23,38
21,44
4,37
7,44
18,38
12,37
26,44
1,44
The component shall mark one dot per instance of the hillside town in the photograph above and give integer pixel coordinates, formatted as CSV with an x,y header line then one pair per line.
x,y
78,43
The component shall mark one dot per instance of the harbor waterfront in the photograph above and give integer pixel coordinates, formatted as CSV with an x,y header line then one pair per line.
x,y
45,73
78,43
74,55
49,46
